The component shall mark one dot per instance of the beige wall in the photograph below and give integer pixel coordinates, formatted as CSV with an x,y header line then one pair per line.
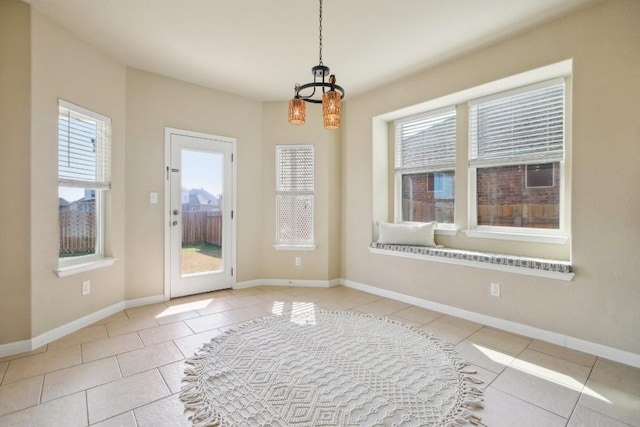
x,y
153,103
15,102
601,304
323,262
63,66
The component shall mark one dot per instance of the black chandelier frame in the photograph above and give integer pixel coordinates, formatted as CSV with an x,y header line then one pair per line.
x,y
318,71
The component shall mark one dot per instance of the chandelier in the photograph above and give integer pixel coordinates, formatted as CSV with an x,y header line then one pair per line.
x,y
328,93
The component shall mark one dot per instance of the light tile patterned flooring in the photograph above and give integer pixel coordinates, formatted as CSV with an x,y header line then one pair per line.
x,y
126,370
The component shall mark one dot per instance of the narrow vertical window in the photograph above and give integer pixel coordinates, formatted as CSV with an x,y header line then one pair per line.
x,y
84,177
517,157
425,161
294,195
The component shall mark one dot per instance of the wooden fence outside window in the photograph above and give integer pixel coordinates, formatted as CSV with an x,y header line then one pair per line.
x,y
78,230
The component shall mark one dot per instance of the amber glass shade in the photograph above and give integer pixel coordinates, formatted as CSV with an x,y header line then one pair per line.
x,y
297,111
332,124
331,109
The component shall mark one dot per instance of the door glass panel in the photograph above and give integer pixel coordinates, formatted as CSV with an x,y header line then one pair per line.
x,y
201,174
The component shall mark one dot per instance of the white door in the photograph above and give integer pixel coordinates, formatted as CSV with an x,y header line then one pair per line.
x,y
199,200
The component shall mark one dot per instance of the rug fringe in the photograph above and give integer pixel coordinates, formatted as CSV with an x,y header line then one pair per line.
x,y
463,419
473,380
475,403
203,415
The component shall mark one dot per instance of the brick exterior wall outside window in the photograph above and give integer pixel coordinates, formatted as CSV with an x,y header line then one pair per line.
x,y
428,197
504,200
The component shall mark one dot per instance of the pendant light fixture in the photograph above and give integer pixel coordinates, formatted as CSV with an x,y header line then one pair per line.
x,y
329,92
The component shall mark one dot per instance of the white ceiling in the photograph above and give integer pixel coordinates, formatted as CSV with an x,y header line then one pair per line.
x,y
260,48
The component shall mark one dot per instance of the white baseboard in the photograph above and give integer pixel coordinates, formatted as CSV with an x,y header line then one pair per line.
x,y
15,347
247,284
288,282
61,331
131,303
607,352
75,325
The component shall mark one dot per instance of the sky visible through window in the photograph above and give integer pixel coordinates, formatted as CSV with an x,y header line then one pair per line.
x,y
202,170
70,194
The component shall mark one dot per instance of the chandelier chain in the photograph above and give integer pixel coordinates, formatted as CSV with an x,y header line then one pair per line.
x,y
320,32
319,91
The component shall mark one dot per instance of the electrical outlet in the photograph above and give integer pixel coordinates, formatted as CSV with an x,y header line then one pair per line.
x,y
495,289
298,261
86,287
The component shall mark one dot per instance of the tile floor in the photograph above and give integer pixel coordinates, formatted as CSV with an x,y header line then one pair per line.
x,y
126,370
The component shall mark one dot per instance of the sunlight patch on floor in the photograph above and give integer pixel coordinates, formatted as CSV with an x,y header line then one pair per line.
x,y
496,356
302,313
539,371
183,308
278,308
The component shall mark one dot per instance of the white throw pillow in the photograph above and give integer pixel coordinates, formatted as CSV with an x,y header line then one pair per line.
x,y
406,234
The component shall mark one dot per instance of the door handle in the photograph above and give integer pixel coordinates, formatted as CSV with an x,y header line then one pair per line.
x,y
176,211
174,223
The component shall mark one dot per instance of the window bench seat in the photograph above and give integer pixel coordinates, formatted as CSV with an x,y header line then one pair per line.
x,y
549,268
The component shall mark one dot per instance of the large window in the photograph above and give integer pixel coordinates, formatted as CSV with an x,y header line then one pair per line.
x,y
294,195
491,161
516,155
84,142
425,160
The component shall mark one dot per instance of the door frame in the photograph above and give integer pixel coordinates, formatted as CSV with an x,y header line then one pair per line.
x,y
167,201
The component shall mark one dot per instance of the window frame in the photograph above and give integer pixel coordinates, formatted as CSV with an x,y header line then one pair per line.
x,y
529,234
441,227
294,245
75,264
383,178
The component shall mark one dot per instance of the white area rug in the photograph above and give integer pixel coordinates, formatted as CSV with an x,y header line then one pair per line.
x,y
328,369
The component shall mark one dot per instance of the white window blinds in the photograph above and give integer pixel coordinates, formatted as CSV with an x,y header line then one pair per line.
x,y
294,193
295,169
426,142
522,126
84,147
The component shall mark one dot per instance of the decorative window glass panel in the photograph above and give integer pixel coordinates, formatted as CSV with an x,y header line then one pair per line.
x,y
294,194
